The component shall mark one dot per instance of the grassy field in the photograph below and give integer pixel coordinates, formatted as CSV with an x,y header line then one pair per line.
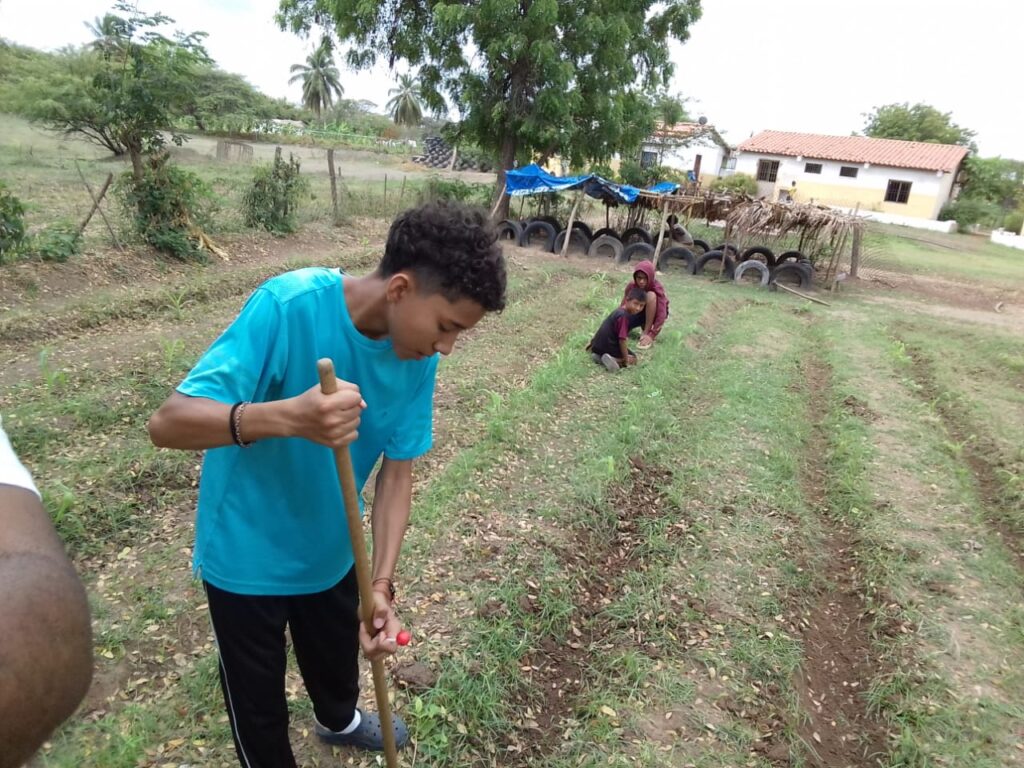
x,y
791,537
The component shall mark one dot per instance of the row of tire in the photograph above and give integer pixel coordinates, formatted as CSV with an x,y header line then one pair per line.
x,y
637,244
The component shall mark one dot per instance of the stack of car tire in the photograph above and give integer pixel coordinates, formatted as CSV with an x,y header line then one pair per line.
x,y
637,244
437,154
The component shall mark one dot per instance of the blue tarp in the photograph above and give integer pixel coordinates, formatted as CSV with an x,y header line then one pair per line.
x,y
534,180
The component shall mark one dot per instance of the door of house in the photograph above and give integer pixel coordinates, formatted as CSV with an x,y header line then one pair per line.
x,y
767,173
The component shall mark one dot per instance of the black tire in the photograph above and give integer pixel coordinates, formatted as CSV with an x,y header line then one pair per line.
x,y
790,271
729,266
555,223
750,253
752,265
637,251
539,228
579,241
510,230
600,245
700,247
789,256
584,228
635,235
730,248
606,231
676,257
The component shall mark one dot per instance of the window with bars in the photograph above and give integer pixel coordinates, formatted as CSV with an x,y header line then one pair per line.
x,y
849,171
897,191
812,168
767,170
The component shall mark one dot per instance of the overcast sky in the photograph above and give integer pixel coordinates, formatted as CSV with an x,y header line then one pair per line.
x,y
794,65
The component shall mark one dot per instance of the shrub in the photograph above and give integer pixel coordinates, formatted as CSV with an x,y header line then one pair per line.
x,y
968,212
12,223
56,243
604,171
438,188
272,200
1014,222
735,184
168,208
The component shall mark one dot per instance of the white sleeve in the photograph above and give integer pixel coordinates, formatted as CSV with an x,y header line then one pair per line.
x,y
12,471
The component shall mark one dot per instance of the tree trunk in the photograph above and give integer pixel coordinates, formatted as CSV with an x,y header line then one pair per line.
x,y
138,173
506,162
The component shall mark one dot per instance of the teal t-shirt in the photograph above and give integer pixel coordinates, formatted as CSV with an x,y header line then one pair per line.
x,y
271,519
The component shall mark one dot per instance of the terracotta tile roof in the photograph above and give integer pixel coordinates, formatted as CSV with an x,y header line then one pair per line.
x,y
858,149
683,131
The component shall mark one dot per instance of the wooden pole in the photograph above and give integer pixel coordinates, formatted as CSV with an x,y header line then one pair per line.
x,y
350,495
334,184
572,219
497,203
661,233
95,204
855,247
401,192
801,295
385,189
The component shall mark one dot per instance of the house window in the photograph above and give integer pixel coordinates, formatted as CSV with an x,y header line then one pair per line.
x,y
897,191
812,168
849,171
647,159
729,163
767,170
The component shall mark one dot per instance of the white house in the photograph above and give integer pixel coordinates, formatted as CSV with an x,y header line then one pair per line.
x,y
687,147
901,180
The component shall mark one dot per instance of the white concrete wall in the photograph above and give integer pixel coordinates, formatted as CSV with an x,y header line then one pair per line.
x,y
1008,238
683,158
903,221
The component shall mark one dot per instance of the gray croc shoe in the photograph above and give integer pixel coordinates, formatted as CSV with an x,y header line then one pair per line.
x,y
609,362
368,734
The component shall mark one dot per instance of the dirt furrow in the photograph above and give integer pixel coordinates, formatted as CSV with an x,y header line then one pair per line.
x,y
980,454
839,660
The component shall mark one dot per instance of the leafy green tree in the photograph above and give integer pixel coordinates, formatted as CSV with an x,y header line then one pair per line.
x,y
404,105
321,82
919,122
122,92
222,100
995,180
540,77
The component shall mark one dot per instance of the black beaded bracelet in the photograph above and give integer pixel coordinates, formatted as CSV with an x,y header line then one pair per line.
x,y
235,421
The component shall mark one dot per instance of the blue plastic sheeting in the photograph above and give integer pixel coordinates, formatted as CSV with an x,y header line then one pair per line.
x,y
664,188
534,180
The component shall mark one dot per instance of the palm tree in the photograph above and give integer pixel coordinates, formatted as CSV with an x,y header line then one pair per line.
x,y
110,32
321,82
404,104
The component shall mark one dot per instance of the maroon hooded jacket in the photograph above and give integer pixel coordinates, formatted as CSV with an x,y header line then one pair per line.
x,y
661,312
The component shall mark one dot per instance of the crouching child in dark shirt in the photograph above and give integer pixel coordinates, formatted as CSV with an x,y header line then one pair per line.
x,y
608,347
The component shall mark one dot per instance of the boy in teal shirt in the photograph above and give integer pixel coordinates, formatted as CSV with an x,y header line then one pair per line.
x,y
272,548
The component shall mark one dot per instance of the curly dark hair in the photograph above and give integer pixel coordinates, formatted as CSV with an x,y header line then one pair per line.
x,y
452,249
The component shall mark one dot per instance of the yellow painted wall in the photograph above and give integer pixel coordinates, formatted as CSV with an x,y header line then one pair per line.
x,y
918,205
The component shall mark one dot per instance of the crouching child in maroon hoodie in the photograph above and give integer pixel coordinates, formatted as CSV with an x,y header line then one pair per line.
x,y
608,347
656,308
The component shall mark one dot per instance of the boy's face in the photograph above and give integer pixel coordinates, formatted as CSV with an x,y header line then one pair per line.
x,y
633,306
422,323
640,279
